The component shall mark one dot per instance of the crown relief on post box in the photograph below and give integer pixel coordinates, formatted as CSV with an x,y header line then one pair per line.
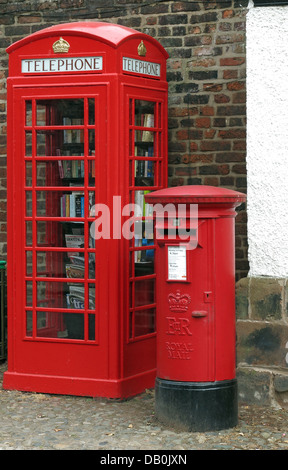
x,y
178,302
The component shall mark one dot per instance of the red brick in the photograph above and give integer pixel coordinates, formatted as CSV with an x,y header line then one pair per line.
x,y
229,74
203,122
210,133
232,61
213,87
228,14
222,98
207,111
235,86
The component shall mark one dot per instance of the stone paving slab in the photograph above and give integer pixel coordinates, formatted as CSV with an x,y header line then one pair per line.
x,y
34,421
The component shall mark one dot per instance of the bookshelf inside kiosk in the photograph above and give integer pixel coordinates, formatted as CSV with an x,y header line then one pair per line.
x,y
82,297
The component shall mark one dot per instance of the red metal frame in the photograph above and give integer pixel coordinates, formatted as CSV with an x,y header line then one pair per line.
x,y
118,360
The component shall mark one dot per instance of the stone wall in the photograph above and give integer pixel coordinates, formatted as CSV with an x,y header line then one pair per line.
x,y
206,74
262,340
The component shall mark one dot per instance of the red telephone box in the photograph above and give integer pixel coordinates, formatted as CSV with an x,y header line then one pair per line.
x,y
196,385
87,131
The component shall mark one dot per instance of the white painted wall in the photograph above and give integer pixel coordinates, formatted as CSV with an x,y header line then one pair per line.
x,y
267,140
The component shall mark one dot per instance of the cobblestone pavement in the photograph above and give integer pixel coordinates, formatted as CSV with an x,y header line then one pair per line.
x,y
34,421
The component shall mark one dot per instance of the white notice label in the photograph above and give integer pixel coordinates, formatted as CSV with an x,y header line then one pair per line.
x,y
177,265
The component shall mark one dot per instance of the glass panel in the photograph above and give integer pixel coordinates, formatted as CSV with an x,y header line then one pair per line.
x,y
144,292
28,120
50,264
159,148
75,265
131,111
66,112
41,114
91,203
75,296
132,172
50,325
91,140
28,173
144,322
60,142
28,263
144,113
72,204
53,294
75,241
92,273
91,104
159,123
61,264
62,325
91,166
29,292
42,235
42,321
29,323
74,323
144,173
59,204
52,173
28,233
91,326
145,149
92,296
64,295
144,262
131,142
28,144
28,203
142,209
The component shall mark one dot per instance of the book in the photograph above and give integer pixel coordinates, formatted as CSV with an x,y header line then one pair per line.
x,y
67,135
74,241
72,205
139,200
74,271
148,136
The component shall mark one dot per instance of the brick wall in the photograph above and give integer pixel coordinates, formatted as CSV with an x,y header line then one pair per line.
x,y
206,74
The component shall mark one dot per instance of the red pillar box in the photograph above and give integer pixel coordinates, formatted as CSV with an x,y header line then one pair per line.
x,y
87,132
196,385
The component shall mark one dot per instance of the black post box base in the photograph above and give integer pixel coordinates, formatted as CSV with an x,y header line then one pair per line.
x,y
193,406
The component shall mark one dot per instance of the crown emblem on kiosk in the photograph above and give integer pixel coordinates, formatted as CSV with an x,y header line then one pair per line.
x,y
61,46
142,49
179,303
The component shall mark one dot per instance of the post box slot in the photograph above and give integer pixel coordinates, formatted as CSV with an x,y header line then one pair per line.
x,y
180,232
